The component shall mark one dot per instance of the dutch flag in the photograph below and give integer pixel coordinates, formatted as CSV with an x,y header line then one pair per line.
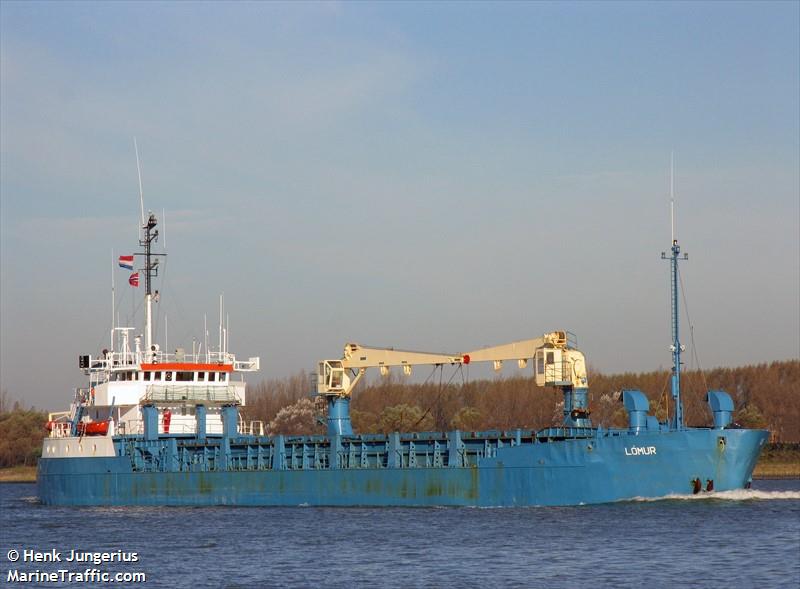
x,y
126,262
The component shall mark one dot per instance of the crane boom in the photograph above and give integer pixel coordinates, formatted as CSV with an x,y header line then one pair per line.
x,y
333,379
521,351
358,356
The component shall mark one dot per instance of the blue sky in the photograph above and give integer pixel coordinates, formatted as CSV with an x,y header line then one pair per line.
x,y
427,176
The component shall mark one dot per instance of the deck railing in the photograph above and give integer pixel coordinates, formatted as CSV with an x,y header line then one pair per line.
x,y
133,360
135,427
254,428
61,429
192,393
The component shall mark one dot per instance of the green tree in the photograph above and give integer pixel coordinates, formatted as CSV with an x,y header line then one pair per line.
x,y
405,418
466,419
21,435
364,422
750,417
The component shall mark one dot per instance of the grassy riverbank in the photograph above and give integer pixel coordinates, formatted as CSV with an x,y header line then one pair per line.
x,y
18,474
779,461
777,470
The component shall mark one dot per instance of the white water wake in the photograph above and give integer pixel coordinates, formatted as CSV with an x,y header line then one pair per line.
x,y
735,495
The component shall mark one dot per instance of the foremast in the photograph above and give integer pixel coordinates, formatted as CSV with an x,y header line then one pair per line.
x,y
150,270
676,421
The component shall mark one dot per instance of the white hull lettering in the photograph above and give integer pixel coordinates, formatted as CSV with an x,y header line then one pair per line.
x,y
640,451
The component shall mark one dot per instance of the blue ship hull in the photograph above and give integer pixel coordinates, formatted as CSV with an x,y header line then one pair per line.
x,y
482,470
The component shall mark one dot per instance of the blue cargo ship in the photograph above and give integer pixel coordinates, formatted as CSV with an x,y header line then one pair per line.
x,y
158,428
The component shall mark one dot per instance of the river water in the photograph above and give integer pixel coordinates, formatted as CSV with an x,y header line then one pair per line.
x,y
731,539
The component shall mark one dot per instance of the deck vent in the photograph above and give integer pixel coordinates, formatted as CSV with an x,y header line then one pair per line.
x,y
721,406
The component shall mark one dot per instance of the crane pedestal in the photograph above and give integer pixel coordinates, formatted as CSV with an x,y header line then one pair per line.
x,y
339,416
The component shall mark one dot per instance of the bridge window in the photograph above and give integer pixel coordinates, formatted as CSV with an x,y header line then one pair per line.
x,y
222,377
147,376
184,376
212,376
157,376
201,376
167,376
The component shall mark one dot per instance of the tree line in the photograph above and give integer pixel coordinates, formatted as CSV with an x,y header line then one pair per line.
x,y
765,395
21,433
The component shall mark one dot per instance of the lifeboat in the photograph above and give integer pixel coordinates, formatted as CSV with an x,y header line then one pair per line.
x,y
93,428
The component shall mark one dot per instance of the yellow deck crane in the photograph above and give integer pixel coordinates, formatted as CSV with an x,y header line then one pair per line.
x,y
556,362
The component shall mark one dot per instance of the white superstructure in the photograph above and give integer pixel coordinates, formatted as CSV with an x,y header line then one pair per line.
x,y
131,376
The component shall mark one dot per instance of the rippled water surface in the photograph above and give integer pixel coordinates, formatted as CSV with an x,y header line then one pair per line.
x,y
732,539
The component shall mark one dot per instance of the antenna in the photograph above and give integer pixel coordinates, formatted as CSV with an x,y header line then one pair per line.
x,y
113,300
139,172
672,193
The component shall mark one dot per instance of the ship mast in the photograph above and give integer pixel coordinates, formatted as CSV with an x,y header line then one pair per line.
x,y
149,236
676,347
